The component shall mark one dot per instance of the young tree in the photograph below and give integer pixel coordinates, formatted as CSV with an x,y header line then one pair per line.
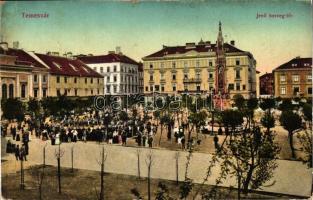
x,y
267,104
163,192
187,185
291,122
252,104
177,166
138,161
239,101
286,105
232,119
268,121
307,112
252,160
34,106
13,109
58,155
149,163
101,161
306,146
38,174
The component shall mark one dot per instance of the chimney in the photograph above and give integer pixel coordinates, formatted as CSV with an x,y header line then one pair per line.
x,y
232,42
69,55
190,45
55,53
208,44
15,44
163,46
4,46
118,50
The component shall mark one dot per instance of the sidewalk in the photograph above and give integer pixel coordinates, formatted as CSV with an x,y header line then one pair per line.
x,y
291,177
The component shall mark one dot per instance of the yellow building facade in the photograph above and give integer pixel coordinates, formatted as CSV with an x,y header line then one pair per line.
x,y
192,68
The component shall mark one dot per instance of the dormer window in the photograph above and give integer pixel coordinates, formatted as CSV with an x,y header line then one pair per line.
x,y
85,68
57,65
73,67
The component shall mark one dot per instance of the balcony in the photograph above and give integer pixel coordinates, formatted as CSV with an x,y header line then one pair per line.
x,y
162,80
192,80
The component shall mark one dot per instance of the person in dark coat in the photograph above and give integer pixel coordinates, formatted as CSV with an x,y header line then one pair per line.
x,y
9,147
183,141
150,141
124,138
23,153
13,132
17,152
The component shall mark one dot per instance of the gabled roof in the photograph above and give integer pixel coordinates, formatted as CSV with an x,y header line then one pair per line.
x,y
23,58
68,67
269,75
109,58
296,63
198,48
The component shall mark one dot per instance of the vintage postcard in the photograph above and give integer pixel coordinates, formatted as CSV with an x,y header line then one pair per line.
x,y
159,100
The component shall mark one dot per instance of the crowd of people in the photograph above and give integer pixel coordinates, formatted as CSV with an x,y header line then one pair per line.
x,y
91,125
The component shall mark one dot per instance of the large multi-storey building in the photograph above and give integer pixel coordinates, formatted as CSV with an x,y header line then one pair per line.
x,y
121,74
21,76
267,84
293,78
71,77
193,68
28,74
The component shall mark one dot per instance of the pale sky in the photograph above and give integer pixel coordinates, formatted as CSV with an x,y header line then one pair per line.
x,y
142,28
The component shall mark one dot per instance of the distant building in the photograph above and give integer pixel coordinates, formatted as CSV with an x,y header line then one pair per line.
x,y
70,77
257,73
200,68
267,84
121,74
293,78
140,74
21,76
27,75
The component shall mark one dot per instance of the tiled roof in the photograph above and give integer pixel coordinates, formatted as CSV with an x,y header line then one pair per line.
x,y
109,58
22,57
266,75
198,48
296,63
69,67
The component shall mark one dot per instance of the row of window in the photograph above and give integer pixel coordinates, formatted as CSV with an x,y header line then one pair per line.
x,y
231,86
123,88
296,90
36,79
186,75
108,69
295,78
23,91
74,92
75,79
173,64
130,79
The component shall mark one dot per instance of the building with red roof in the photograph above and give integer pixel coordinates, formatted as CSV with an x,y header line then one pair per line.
x,y
201,67
21,75
48,75
121,73
267,84
293,78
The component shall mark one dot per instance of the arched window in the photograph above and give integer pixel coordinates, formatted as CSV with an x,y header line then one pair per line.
x,y
23,91
11,91
4,91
